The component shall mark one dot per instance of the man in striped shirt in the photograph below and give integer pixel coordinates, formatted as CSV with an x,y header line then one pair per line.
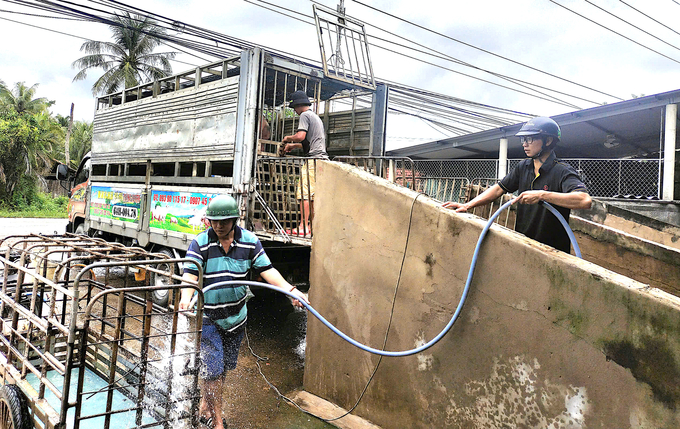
x,y
226,252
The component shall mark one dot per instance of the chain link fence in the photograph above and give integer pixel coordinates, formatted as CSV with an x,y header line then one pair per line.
x,y
441,179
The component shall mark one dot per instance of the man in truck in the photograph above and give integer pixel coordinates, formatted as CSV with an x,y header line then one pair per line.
x,y
540,177
226,252
311,138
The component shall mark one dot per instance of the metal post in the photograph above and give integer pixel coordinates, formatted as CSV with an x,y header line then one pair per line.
x,y
379,120
503,158
669,151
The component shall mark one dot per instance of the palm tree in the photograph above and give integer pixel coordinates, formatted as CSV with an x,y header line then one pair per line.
x,y
21,99
80,142
128,60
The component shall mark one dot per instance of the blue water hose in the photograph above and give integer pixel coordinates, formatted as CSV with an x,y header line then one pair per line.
x,y
449,325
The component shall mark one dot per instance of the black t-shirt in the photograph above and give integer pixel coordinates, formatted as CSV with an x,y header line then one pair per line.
x,y
534,220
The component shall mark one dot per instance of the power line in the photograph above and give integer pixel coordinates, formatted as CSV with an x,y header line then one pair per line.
x,y
486,51
467,118
513,80
43,16
438,54
199,32
90,40
632,25
660,23
615,32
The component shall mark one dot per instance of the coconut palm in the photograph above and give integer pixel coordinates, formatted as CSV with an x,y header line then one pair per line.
x,y
80,142
129,60
21,99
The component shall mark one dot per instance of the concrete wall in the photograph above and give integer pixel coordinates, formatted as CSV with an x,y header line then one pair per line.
x,y
658,222
641,259
544,338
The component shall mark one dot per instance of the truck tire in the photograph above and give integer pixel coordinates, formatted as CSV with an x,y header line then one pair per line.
x,y
80,229
14,408
162,297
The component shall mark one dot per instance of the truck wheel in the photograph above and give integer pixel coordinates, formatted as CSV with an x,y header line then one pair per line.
x,y
13,408
80,229
162,296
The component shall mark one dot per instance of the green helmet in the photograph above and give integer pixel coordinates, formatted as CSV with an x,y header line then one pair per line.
x,y
222,207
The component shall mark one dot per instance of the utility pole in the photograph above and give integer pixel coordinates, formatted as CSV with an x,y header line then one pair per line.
x,y
68,137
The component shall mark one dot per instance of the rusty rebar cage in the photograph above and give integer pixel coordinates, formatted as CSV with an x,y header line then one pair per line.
x,y
83,341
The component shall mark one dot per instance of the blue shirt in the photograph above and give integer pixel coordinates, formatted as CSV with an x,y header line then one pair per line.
x,y
226,305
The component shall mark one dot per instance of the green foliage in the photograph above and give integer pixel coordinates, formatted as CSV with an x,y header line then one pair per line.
x,y
30,203
21,99
129,60
17,134
29,141
80,142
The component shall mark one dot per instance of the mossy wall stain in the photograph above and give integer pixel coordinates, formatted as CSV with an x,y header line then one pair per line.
x,y
556,277
651,362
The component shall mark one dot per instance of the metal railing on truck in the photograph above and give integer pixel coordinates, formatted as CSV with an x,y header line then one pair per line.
x,y
82,345
281,186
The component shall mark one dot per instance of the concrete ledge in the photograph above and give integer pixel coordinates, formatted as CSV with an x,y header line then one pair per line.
x,y
643,260
327,410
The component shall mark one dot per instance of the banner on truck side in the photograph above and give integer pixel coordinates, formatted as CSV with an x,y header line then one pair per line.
x,y
121,204
179,211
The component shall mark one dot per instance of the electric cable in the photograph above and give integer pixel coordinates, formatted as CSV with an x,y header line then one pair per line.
x,y
485,51
615,32
435,53
632,25
201,47
516,81
658,22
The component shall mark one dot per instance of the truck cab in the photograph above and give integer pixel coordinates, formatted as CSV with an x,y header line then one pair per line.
x,y
78,190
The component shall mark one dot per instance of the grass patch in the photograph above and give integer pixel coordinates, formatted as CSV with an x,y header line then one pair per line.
x,y
41,206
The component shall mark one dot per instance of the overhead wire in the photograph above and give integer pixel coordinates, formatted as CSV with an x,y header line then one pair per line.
x,y
631,24
196,46
486,51
613,31
202,48
90,40
658,22
441,55
433,52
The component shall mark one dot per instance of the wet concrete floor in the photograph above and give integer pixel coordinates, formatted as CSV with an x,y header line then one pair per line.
x,y
276,331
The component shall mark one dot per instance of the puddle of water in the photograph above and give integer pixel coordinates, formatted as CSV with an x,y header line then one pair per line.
x,y
276,331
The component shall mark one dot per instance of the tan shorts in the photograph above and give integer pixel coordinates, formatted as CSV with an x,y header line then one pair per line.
x,y
307,181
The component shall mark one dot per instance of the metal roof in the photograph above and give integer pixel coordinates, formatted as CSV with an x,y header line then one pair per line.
x,y
630,128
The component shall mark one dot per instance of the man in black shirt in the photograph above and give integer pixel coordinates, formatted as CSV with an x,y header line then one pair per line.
x,y
541,177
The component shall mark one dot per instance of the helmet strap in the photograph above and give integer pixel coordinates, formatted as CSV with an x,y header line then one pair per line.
x,y
544,148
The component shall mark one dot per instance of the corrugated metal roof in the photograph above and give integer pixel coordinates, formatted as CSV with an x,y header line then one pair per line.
x,y
630,128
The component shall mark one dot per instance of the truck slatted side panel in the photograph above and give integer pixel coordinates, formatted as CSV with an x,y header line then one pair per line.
x,y
343,138
192,123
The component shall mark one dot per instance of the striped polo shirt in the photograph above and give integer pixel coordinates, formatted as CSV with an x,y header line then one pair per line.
x,y
226,305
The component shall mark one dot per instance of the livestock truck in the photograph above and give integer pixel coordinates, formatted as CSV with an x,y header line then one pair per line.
x,y
162,150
